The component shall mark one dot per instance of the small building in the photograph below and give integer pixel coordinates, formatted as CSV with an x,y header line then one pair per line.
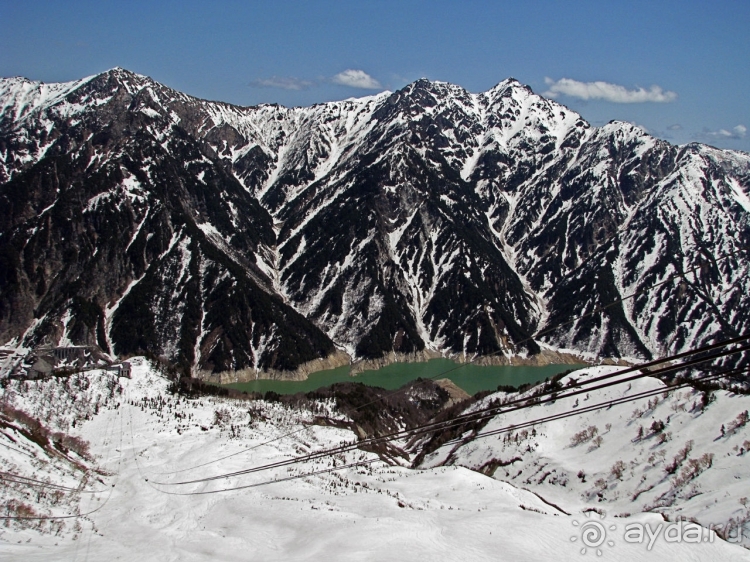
x,y
122,369
42,367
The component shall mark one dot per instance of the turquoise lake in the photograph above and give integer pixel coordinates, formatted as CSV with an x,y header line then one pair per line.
x,y
471,378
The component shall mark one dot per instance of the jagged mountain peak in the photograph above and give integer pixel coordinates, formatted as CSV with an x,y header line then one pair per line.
x,y
120,71
625,127
427,219
21,98
506,86
435,86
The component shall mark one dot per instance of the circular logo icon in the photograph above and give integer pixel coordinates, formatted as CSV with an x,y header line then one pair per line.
x,y
593,534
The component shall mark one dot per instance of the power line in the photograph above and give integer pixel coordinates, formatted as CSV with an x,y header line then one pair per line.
x,y
601,405
491,411
22,452
285,479
460,366
275,481
479,415
58,517
18,479
471,417
577,390
607,404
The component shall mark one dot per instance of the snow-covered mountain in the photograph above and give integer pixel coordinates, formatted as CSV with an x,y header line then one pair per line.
x,y
226,237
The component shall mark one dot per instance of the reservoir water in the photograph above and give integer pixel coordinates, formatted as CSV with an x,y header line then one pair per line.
x,y
471,378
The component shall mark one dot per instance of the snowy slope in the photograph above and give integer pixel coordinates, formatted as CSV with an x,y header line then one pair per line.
x,y
374,512
694,463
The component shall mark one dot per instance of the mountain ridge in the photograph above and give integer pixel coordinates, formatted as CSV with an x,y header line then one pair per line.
x,y
425,219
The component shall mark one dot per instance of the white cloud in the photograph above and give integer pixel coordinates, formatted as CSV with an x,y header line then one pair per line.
x,y
738,132
283,82
606,91
356,79
351,78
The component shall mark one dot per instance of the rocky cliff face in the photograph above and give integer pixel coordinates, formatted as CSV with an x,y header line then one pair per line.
x,y
224,238
121,232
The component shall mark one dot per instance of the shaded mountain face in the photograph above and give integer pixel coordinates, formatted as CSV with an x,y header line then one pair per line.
x,y
222,237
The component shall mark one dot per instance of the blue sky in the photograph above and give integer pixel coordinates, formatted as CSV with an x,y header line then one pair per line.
x,y
680,69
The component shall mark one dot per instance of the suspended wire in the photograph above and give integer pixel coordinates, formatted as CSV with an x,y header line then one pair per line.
x,y
75,516
523,401
471,417
285,479
479,415
486,413
470,362
132,442
22,452
578,389
569,413
602,405
275,481
18,479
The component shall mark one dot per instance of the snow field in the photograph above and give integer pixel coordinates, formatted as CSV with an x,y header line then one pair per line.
x,y
685,468
373,512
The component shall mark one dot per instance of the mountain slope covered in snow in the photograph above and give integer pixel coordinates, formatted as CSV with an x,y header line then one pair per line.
x,y
431,218
681,453
144,439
